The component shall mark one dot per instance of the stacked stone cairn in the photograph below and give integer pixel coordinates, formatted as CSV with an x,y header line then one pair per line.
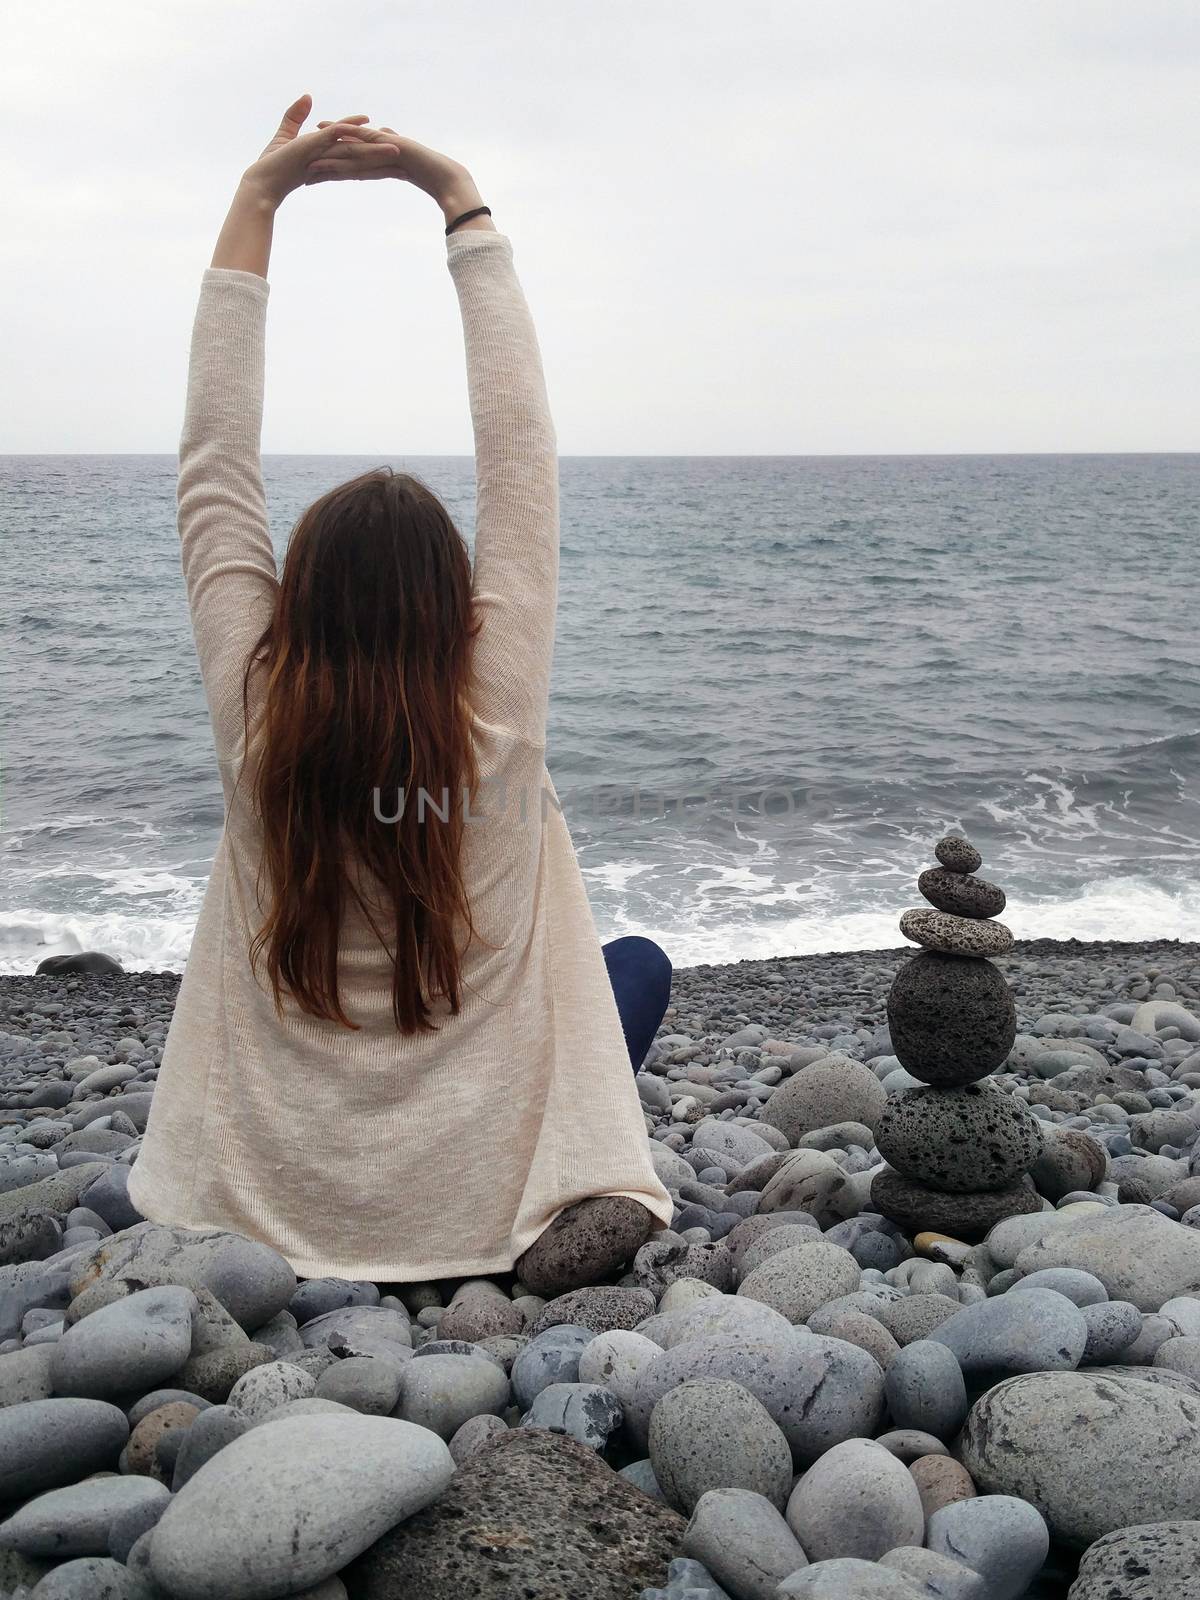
x,y
958,1148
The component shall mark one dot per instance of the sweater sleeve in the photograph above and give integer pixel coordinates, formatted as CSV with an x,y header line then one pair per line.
x,y
516,486
228,561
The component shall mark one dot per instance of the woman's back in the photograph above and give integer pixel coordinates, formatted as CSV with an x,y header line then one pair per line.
x,y
367,1152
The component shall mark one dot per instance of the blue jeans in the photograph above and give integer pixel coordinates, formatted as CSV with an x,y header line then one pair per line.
x,y
640,974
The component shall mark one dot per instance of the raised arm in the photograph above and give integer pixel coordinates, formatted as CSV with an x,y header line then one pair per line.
x,y
516,485
228,562
225,540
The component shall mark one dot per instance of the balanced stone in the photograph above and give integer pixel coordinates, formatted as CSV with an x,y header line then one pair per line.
x,y
961,895
951,1019
956,936
960,1140
957,854
917,1208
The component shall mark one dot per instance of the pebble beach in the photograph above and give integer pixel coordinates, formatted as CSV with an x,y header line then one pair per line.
x,y
908,1335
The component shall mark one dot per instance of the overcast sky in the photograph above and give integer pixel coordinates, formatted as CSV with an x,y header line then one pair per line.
x,y
762,227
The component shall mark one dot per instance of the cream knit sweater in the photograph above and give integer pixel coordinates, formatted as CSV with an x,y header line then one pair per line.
x,y
370,1154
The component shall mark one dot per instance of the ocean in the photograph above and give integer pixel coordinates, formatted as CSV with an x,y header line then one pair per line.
x,y
778,680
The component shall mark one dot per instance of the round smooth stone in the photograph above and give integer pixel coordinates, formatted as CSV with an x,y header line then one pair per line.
x,y
1025,1330
957,854
1070,1160
728,1313
1153,1561
586,1412
956,936
743,1541
127,1347
961,895
940,1481
441,1392
473,1435
860,1474
553,1357
1081,1288
1112,1327
1004,1539
90,1578
834,1089
952,1019
615,1361
713,1434
264,1389
44,1443
959,1140
919,1209
75,1521
364,1383
292,1502
1094,1450
797,1281
925,1389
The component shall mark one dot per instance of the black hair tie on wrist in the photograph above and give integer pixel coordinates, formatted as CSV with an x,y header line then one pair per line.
x,y
479,211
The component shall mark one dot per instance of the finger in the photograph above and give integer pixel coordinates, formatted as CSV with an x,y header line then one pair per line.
x,y
329,121
293,117
348,155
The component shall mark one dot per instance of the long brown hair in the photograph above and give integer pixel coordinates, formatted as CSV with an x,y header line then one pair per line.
x,y
367,666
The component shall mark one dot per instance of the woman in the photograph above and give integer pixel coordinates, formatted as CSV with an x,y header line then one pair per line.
x,y
396,1053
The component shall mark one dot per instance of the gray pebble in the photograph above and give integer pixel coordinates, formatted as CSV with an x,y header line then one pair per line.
x,y
441,1392
857,1500
582,1411
713,1434
1002,1538
75,1521
127,1347
44,1443
290,1503
745,1543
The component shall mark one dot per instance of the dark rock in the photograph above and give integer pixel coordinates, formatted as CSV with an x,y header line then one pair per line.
x,y
532,1514
960,894
601,1309
957,854
959,1140
89,962
952,1019
918,1209
1070,1160
585,1244
961,936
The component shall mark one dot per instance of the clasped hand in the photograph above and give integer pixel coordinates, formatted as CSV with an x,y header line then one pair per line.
x,y
347,148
